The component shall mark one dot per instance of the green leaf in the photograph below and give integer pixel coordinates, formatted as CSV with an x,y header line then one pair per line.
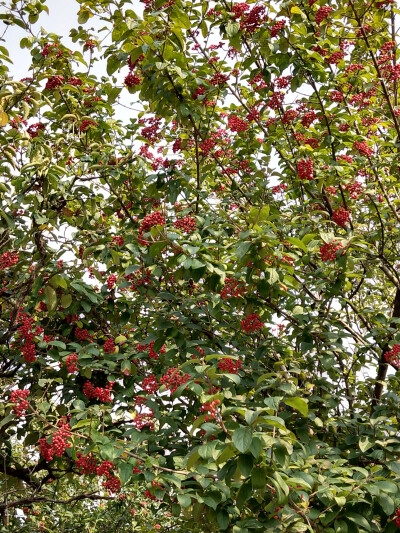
x,y
242,438
223,519
358,520
259,478
365,443
125,472
387,486
297,242
241,249
184,500
387,504
244,494
51,298
180,18
245,463
66,300
300,404
232,28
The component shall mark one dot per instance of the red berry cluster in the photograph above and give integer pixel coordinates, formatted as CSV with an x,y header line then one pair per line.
x,y
186,224
8,259
54,82
75,82
131,80
253,20
237,124
109,346
305,169
33,130
111,280
335,58
336,96
232,289
71,363
25,337
173,379
251,323
149,221
118,240
142,420
89,44
276,28
152,353
279,188
150,384
151,132
346,158
58,444
19,398
99,393
276,100
49,47
341,217
355,189
397,521
86,124
289,116
393,356
328,251
83,335
308,118
322,14
198,92
138,279
219,78
210,408
106,469
231,366
363,148
86,464
113,484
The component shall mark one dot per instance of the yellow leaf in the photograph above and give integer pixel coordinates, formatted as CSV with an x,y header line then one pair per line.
x,y
3,118
296,10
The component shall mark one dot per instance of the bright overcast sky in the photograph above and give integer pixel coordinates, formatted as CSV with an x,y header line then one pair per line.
x,y
62,17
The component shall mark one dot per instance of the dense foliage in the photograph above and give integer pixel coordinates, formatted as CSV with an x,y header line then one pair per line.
x,y
200,291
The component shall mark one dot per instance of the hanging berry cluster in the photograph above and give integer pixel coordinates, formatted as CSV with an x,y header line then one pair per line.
x,y
251,323
305,169
328,251
111,280
25,336
8,259
173,379
150,384
210,408
231,366
19,399
71,363
54,83
232,289
149,221
186,224
152,353
58,443
341,216
109,346
393,356
98,393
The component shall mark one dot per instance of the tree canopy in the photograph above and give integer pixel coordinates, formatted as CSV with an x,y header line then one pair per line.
x,y
199,270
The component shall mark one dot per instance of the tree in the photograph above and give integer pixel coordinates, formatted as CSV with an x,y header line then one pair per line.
x,y
200,299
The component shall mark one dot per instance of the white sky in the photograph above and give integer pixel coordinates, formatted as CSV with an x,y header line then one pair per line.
x,y
62,17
